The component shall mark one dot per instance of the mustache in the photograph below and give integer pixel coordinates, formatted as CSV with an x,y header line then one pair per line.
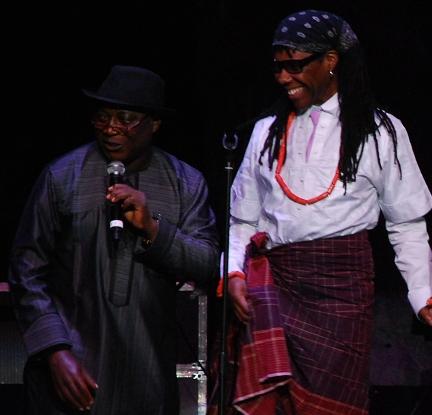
x,y
114,131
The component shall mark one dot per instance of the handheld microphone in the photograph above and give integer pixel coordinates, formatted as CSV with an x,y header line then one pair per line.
x,y
115,170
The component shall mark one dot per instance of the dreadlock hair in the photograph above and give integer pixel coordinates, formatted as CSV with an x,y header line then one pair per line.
x,y
359,117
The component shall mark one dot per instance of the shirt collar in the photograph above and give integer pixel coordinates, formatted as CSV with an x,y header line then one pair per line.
x,y
331,106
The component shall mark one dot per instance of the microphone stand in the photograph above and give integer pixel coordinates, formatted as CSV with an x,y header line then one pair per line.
x,y
229,144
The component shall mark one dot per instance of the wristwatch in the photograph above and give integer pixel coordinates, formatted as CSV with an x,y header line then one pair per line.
x,y
145,242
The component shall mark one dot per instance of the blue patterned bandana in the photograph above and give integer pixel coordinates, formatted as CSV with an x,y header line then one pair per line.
x,y
314,31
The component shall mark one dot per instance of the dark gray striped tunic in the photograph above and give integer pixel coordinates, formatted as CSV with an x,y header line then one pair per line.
x,y
62,272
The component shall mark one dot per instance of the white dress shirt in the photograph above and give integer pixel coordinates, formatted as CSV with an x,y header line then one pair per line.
x,y
258,203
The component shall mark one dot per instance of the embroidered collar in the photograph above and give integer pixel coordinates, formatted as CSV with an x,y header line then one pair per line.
x,y
281,181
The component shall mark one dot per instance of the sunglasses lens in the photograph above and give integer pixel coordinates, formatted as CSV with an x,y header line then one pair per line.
x,y
121,119
100,120
294,66
130,118
290,66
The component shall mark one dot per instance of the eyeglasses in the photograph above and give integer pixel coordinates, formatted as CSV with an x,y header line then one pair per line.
x,y
121,119
294,66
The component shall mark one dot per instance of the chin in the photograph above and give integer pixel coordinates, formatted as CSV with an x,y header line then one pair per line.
x,y
301,108
300,104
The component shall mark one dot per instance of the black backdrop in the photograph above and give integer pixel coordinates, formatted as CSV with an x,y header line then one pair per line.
x,y
214,56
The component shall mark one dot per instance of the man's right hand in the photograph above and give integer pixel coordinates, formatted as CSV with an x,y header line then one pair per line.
x,y
71,381
238,292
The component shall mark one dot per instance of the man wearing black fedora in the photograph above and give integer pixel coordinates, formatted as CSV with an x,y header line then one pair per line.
x,y
108,231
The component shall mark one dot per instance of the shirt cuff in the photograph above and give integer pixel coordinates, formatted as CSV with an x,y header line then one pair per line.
x,y
418,298
45,332
161,244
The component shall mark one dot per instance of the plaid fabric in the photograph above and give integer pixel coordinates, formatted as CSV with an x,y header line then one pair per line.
x,y
265,362
306,349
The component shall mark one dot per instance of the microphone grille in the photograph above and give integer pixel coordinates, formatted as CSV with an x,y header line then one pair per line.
x,y
116,167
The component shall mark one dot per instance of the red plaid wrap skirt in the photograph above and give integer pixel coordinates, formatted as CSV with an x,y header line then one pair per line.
x,y
306,349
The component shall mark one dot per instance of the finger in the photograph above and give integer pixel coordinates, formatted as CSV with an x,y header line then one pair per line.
x,y
91,383
241,315
85,392
241,308
244,318
72,392
118,187
117,196
128,203
81,393
87,386
70,395
425,314
58,390
428,317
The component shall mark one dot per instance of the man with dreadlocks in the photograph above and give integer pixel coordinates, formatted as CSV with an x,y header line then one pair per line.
x,y
316,174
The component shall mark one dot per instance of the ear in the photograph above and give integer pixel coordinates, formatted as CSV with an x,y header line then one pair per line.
x,y
332,59
156,125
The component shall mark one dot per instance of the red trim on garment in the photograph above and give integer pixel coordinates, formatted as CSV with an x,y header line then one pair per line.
x,y
281,181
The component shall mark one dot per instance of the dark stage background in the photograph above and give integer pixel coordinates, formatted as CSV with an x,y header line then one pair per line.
x,y
215,57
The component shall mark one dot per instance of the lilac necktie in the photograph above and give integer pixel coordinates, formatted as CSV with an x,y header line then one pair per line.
x,y
315,114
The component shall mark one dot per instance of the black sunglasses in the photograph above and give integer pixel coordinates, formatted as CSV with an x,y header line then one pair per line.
x,y
295,65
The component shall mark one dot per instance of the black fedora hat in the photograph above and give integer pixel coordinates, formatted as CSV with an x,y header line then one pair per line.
x,y
134,88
